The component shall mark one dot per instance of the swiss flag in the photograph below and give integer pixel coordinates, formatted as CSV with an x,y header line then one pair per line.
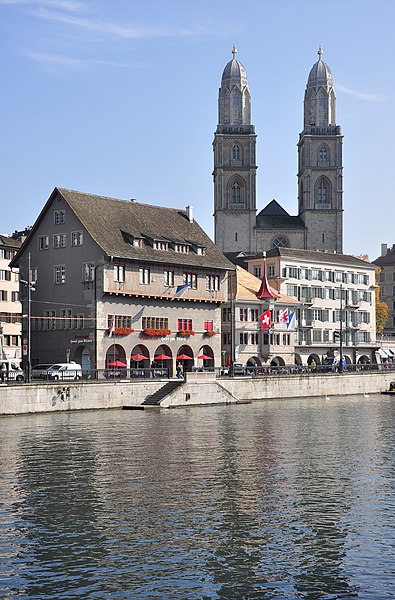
x,y
266,319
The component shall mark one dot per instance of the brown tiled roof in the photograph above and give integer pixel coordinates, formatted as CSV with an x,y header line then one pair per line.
x,y
107,220
314,256
10,242
387,259
248,286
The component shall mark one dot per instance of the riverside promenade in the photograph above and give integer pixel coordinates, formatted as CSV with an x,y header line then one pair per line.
x,y
197,389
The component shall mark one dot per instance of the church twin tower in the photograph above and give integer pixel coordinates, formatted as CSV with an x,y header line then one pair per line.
x,y
319,224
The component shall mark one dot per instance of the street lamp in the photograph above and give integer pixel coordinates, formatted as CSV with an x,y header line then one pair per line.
x,y
340,368
30,285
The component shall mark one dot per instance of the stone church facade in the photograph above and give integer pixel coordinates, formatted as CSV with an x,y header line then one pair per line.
x,y
319,222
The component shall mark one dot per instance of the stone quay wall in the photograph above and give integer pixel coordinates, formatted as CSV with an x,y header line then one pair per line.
x,y
198,389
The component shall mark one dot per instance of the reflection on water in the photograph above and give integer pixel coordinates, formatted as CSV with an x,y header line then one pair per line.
x,y
280,499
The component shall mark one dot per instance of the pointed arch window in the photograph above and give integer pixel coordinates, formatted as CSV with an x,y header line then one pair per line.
x,y
236,198
236,152
323,154
322,193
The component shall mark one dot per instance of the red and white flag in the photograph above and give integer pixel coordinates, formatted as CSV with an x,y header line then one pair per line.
x,y
283,316
266,319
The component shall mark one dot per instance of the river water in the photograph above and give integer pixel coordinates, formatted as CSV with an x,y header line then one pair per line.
x,y
277,499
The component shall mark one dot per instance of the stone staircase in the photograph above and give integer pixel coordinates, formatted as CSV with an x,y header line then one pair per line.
x,y
156,398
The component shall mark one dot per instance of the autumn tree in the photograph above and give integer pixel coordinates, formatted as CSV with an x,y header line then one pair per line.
x,y
382,309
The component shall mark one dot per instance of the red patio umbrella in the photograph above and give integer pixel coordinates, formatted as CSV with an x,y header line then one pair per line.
x,y
116,363
205,357
184,357
162,357
138,357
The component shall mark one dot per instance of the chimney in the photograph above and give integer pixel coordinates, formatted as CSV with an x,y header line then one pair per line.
x,y
189,211
384,249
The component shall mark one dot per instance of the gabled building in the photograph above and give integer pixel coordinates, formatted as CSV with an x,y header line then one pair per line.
x,y
10,307
386,262
121,282
245,338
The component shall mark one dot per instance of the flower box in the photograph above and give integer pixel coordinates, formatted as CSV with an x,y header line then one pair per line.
x,y
156,332
121,331
210,333
185,332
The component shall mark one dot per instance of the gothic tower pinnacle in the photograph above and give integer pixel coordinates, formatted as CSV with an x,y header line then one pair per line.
x,y
320,172
234,163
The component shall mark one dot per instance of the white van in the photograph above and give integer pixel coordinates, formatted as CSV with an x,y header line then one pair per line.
x,y
10,370
61,371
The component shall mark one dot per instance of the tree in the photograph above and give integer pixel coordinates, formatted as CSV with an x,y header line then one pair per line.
x,y
382,309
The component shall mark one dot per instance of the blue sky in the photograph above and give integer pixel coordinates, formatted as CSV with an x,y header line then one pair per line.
x,y
119,98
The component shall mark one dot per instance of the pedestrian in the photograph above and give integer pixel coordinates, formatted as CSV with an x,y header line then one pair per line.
x,y
3,371
180,371
313,365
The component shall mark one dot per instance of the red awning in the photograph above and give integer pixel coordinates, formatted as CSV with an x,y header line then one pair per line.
x,y
205,357
162,357
184,357
138,357
116,363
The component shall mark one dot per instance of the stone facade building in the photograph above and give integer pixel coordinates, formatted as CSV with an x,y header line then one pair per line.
x,y
319,222
386,262
336,295
122,282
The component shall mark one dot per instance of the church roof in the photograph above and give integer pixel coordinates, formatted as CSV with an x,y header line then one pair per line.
x,y
273,216
320,73
234,73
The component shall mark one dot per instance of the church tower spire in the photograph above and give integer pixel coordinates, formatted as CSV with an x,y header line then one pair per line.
x,y
320,172
234,163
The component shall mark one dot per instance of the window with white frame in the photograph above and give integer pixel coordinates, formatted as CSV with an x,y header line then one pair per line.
x,y
5,275
3,295
14,296
79,321
144,275
50,319
243,338
59,217
77,238
212,283
190,279
59,274
258,272
160,245
183,248
59,240
169,278
88,272
119,273
208,326
271,270
43,242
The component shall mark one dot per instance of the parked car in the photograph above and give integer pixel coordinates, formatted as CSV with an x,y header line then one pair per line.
x,y
40,371
238,368
62,371
10,370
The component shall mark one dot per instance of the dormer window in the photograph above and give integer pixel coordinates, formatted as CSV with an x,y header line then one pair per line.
x,y
201,250
183,248
159,245
137,242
